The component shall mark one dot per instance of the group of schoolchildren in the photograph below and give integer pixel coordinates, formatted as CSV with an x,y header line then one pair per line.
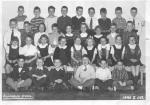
x,y
39,52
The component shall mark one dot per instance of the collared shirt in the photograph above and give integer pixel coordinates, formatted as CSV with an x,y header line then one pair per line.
x,y
104,23
120,22
118,47
48,23
107,47
132,46
37,37
83,35
7,37
95,21
111,37
103,74
21,20
76,22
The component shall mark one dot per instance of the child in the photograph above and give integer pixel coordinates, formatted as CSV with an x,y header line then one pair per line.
x,y
51,19
83,35
84,76
117,50
42,29
45,50
129,32
19,77
104,22
77,20
39,75
119,20
120,77
91,50
111,37
62,52
77,50
98,35
57,75
103,77
12,55
37,20
103,49
21,17
29,51
132,58
53,37
69,36
64,20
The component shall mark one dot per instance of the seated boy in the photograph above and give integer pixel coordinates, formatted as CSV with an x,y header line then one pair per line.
x,y
120,77
19,77
39,75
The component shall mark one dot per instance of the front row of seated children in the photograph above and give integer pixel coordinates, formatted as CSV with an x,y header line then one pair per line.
x,y
85,76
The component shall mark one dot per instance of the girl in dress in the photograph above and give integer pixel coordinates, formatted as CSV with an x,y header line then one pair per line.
x,y
45,50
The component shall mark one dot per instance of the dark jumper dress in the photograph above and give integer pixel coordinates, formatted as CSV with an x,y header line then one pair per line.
x,y
70,41
90,53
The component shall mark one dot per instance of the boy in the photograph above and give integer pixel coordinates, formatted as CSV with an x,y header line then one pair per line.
x,y
120,77
77,20
64,20
51,19
104,22
19,77
37,19
39,75
103,77
119,20
21,17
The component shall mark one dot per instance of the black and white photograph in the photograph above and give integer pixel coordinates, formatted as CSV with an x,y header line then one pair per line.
x,y
73,50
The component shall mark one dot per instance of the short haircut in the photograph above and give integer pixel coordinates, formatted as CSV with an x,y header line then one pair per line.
x,y
28,36
13,20
20,7
43,25
119,60
113,24
103,60
61,37
58,60
54,25
21,57
98,27
85,56
27,22
37,8
118,9
103,10
79,7
129,22
44,36
51,7
118,36
103,37
84,24
134,8
64,7
91,8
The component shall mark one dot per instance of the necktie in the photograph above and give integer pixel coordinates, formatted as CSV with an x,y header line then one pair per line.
x,y
12,35
91,23
134,22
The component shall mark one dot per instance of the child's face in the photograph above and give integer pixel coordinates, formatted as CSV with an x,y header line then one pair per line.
x,y
15,43
78,41
28,41
51,12
98,31
37,13
63,42
118,13
39,62
64,11
13,25
83,28
103,14
90,42
103,41
57,63
119,66
133,13
41,28
27,27
132,40
55,29
91,12
113,29
129,27
20,11
118,40
43,40
79,12
20,62
68,29
103,64
85,61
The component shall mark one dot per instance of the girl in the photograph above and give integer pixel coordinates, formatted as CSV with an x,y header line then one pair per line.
x,y
62,52
77,50
30,52
37,36
91,50
69,36
132,58
117,50
45,50
12,55
83,35
98,35
103,49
